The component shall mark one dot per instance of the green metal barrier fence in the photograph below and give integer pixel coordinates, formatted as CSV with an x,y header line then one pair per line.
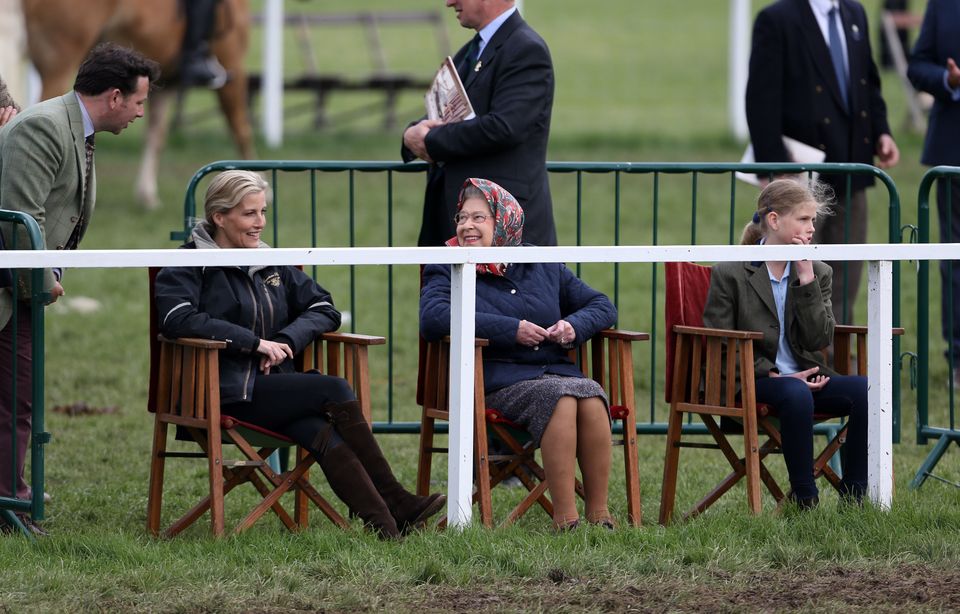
x,y
599,203
38,437
944,435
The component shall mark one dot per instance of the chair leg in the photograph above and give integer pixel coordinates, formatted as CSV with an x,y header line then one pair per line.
x,y
752,459
301,503
670,464
157,465
215,470
631,463
482,466
425,460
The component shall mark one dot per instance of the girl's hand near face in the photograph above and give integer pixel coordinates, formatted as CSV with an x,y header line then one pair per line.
x,y
804,267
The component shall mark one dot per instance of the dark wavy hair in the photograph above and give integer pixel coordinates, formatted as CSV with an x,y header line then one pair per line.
x,y
110,66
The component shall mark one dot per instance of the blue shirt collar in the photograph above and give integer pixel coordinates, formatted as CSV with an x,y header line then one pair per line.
x,y
823,6
487,31
87,122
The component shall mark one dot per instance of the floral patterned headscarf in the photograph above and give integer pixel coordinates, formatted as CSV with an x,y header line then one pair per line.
x,y
507,219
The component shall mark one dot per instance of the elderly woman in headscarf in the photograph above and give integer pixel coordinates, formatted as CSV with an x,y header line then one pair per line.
x,y
532,314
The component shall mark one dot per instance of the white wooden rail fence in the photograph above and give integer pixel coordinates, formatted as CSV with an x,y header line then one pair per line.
x,y
879,321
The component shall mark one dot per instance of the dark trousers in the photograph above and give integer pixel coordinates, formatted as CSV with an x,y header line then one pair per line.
x,y
830,229
795,404
294,404
949,217
12,483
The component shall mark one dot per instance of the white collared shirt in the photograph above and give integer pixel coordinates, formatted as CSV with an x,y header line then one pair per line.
x,y
821,10
487,31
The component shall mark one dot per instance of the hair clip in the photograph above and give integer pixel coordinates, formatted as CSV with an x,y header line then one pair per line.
x,y
756,217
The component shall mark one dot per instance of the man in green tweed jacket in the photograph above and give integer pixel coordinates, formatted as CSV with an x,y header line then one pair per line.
x,y
47,171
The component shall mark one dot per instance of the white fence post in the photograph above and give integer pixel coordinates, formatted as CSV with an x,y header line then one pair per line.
x,y
880,386
463,302
738,60
271,83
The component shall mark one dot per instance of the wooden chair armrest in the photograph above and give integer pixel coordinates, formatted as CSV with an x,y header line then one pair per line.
x,y
624,335
477,343
717,332
847,329
353,338
207,344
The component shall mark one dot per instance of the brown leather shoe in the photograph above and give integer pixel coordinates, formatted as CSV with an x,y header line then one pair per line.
x,y
32,527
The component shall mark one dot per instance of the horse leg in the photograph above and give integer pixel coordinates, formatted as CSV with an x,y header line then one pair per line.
x,y
233,103
231,50
146,188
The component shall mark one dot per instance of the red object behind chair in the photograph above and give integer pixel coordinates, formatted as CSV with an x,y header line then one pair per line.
x,y
687,285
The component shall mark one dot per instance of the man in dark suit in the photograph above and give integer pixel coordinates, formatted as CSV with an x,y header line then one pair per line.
x,y
508,75
933,69
827,96
47,171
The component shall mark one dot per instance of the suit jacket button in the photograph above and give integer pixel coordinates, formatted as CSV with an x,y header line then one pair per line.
x,y
819,89
863,114
536,348
826,120
823,147
59,247
74,219
866,140
863,81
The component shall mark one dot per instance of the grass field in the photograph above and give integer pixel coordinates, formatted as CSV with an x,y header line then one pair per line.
x,y
631,87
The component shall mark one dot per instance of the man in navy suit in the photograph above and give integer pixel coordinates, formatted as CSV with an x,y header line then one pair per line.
x,y
508,75
933,69
827,96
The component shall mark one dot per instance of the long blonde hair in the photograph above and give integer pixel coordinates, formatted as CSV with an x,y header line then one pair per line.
x,y
227,190
782,196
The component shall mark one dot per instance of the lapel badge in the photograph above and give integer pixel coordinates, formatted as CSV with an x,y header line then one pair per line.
x,y
478,66
856,32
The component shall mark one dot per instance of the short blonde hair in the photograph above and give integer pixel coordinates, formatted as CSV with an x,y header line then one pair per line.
x,y
227,190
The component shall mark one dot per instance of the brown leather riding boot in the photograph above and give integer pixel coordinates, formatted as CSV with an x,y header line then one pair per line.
x,y
409,510
350,482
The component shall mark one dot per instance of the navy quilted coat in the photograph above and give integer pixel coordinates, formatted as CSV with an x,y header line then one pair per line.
x,y
538,293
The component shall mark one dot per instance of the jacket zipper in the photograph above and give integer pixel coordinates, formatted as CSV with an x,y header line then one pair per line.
x,y
253,326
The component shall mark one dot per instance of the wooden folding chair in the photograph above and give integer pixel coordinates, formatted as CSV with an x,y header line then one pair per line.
x,y
185,393
607,358
697,360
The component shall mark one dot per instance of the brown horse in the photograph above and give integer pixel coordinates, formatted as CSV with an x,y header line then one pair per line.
x,y
61,32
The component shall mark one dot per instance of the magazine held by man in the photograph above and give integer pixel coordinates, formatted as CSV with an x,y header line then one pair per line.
x,y
447,100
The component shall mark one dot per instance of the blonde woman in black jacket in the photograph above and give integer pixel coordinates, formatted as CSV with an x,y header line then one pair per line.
x,y
267,315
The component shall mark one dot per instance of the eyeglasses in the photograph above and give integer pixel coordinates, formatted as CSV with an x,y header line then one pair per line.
x,y
478,218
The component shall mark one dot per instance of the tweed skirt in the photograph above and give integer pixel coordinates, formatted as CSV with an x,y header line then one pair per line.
x,y
531,403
